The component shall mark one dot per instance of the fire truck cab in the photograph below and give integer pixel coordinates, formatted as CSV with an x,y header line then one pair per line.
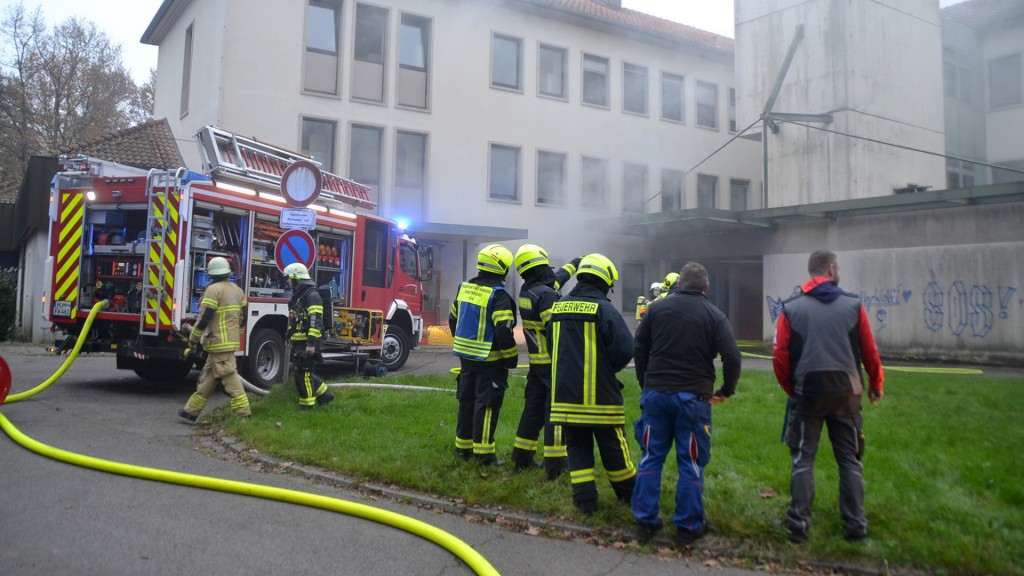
x,y
141,240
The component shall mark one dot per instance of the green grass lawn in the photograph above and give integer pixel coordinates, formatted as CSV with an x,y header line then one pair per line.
x,y
943,467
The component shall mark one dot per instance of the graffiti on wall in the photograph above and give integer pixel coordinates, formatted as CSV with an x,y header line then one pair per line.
x,y
959,307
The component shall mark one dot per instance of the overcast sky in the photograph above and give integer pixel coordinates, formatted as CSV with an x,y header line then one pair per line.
x,y
124,21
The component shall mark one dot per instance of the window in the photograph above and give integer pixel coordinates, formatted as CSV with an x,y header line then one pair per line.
x,y
1005,87
371,33
413,55
410,159
595,80
634,89
318,141
506,58
634,188
595,183
707,187
410,174
738,194
959,174
186,71
551,63
732,110
671,190
672,97
504,176
550,178
320,63
957,79
368,53
707,105
633,283
364,165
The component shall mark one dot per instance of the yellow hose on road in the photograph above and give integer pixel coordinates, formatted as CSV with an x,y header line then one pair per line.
x,y
460,549
67,363
457,547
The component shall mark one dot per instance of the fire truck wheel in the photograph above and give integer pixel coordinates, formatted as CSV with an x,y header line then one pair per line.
x,y
395,351
265,362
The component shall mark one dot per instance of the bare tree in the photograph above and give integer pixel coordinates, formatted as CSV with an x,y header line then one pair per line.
x,y
59,88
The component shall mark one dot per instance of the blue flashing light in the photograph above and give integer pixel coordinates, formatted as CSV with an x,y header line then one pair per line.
x,y
402,223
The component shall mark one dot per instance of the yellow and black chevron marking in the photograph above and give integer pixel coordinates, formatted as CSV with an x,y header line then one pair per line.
x,y
67,264
165,213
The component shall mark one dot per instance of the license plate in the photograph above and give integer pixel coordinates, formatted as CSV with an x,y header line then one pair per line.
x,y
62,308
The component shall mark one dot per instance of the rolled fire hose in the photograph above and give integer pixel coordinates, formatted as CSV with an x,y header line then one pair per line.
x,y
460,549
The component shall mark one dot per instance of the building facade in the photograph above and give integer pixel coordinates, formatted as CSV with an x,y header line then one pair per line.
x,y
474,120
582,126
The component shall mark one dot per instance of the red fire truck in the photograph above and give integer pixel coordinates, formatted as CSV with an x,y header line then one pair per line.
x,y
142,240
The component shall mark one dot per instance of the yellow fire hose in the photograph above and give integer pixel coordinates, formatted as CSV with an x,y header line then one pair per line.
x,y
463,551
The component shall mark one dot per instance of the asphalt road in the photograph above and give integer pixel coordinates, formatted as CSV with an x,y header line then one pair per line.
x,y
59,519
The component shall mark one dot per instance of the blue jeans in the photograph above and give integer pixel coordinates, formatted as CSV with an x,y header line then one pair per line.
x,y
685,419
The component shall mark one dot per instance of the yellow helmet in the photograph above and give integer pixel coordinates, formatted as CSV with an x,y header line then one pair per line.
x,y
599,265
530,256
494,258
218,267
296,271
670,280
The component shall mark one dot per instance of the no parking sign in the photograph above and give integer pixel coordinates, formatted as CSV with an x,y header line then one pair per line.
x,y
294,246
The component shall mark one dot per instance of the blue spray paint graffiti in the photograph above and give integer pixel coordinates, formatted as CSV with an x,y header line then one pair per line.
x,y
959,309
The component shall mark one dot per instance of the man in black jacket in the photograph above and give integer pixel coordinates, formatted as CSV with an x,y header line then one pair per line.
x,y
676,345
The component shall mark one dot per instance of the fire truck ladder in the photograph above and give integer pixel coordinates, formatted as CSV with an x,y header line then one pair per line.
x,y
159,185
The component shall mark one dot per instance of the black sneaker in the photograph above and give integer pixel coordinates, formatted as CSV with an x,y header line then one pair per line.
x,y
797,536
324,399
187,417
464,454
685,537
645,532
855,536
488,460
524,466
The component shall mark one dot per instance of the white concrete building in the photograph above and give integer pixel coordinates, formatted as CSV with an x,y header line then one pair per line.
x,y
475,120
581,126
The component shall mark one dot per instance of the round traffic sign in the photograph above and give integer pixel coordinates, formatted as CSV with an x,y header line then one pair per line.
x,y
5,380
301,183
294,246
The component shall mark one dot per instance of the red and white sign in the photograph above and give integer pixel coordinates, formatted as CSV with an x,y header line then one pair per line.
x,y
294,246
301,183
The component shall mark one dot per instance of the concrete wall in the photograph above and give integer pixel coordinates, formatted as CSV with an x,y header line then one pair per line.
x,y
954,292
866,63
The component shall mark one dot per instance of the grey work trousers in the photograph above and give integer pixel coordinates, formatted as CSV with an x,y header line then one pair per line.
x,y
842,416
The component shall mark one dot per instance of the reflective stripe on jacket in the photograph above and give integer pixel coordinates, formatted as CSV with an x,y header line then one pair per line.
x,y
227,301
476,318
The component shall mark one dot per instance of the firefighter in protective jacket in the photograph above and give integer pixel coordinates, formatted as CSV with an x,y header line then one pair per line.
x,y
221,315
590,344
539,292
481,319
305,331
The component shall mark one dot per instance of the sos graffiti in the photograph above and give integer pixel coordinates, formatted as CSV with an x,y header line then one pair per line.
x,y
961,308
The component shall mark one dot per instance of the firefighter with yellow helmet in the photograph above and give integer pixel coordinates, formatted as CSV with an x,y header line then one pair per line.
x,y
668,286
642,302
305,332
539,292
481,319
590,345
218,331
